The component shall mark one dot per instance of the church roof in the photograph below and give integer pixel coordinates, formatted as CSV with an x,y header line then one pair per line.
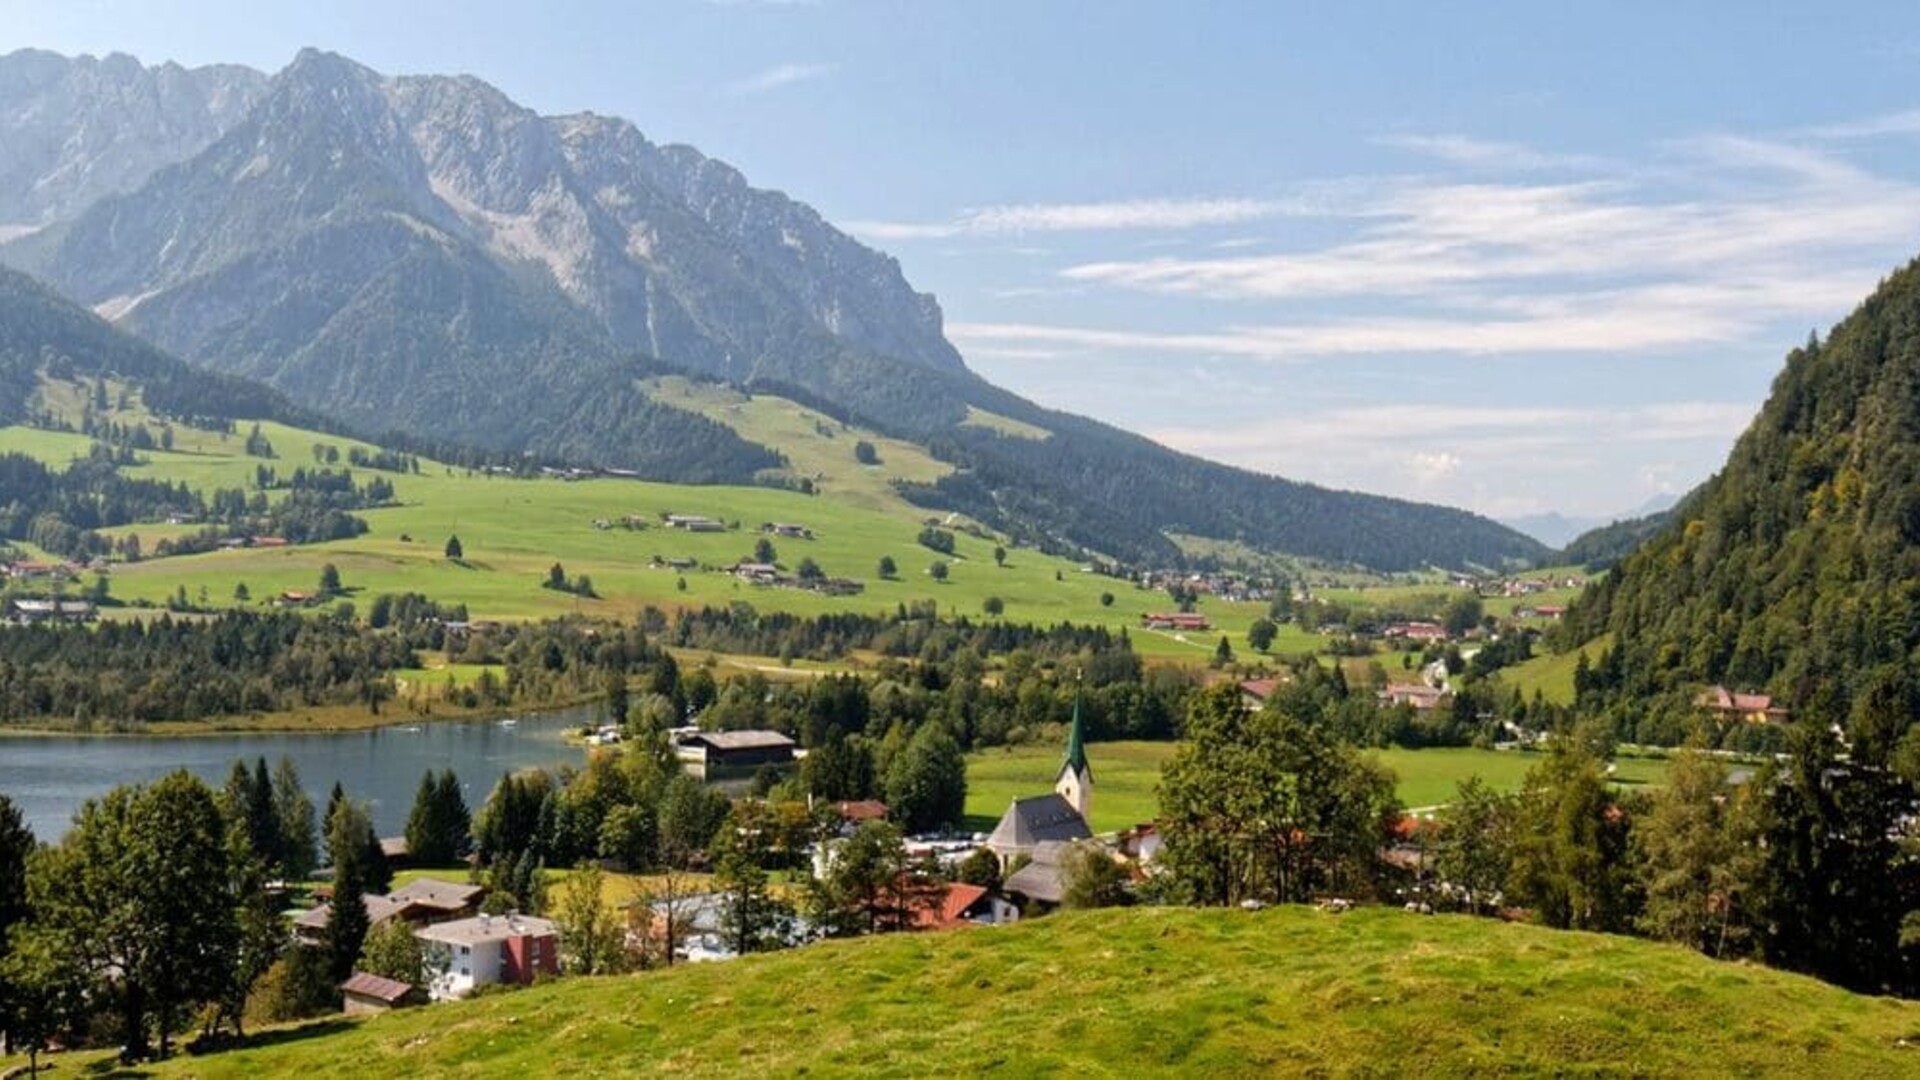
x,y
1031,822
1076,760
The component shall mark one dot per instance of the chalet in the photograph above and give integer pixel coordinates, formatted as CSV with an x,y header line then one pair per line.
x,y
695,523
960,905
39,571
396,851
365,993
1255,692
1419,695
1175,620
724,755
462,956
1549,611
421,902
271,542
1416,631
788,530
857,812
1749,708
293,598
757,573
33,610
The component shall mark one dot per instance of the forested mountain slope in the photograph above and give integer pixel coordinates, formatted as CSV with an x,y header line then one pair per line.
x,y
1797,569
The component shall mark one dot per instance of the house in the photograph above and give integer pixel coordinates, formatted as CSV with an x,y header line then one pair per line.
x,y
1419,695
1141,843
1030,822
364,993
965,905
396,851
421,902
757,573
292,598
440,900
32,610
699,923
1255,692
857,812
695,523
1416,631
788,530
1175,620
1550,611
461,956
1750,708
722,755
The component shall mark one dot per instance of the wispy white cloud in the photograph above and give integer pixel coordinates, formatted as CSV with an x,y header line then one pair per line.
x,y
1904,122
1125,215
1469,152
780,75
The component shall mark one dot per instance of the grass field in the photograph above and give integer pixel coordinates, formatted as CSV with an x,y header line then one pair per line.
x,y
1551,675
1126,774
1143,992
513,530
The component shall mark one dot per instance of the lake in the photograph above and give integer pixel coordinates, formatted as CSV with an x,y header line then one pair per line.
x,y
48,777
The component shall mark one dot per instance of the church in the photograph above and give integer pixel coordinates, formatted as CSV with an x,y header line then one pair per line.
x,y
1060,817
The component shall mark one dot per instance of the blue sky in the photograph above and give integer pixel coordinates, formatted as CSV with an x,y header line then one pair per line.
x,y
1500,256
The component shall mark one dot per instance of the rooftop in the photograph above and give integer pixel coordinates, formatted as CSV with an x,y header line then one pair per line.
x,y
486,929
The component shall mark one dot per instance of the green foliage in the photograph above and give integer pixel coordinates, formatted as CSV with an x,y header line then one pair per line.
x,y
1262,806
349,828
439,825
1475,848
937,570
1261,633
937,539
870,884
454,549
865,454
392,952
1094,879
1796,569
592,935
1694,847
133,893
1570,853
927,782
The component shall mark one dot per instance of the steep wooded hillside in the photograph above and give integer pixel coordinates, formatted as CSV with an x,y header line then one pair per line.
x,y
1796,570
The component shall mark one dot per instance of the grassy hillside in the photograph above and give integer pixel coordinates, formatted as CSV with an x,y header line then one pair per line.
x,y
1161,992
513,530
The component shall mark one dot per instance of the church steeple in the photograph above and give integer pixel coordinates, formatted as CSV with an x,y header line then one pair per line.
x,y
1075,779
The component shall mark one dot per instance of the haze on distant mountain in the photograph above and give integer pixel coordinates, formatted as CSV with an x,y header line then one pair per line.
x,y
420,253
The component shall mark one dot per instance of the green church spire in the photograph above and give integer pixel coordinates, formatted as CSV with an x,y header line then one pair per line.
x,y
1076,762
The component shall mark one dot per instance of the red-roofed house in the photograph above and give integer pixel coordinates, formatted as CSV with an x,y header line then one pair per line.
x,y
965,905
1255,692
1751,708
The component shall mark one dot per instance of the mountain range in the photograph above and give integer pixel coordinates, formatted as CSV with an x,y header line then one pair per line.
x,y
420,253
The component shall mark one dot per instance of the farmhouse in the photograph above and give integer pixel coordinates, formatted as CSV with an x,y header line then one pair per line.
x,y
1042,882
1255,692
1749,708
695,523
788,530
460,957
1419,695
725,755
757,573
32,610
1416,631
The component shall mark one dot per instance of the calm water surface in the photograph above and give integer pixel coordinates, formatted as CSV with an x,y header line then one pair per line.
x,y
49,777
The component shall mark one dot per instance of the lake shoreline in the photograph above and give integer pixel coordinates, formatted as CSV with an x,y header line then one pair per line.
x,y
286,723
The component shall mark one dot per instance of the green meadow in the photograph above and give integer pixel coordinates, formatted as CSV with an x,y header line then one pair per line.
x,y
1288,991
1127,774
513,530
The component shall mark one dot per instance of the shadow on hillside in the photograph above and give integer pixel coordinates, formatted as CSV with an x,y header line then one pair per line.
x,y
110,1069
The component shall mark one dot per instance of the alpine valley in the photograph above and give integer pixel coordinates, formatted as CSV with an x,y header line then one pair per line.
x,y
421,254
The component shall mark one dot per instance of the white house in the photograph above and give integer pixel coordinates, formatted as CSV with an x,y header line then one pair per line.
x,y
462,956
